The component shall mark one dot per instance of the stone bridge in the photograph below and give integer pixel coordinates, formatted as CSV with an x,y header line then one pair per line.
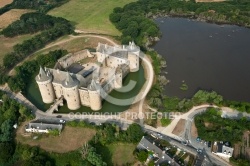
x,y
54,107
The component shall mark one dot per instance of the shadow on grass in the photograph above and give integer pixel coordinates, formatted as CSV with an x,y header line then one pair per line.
x,y
105,153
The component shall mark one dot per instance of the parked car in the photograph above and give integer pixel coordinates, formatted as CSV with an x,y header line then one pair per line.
x,y
59,116
62,121
199,150
209,144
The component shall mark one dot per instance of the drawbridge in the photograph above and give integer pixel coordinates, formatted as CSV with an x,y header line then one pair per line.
x,y
55,106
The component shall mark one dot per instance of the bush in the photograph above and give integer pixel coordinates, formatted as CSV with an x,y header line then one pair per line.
x,y
142,156
165,122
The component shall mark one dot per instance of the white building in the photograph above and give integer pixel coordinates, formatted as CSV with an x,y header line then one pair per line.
x,y
42,127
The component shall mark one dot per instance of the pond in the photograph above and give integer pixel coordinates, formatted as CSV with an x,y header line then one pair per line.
x,y
205,56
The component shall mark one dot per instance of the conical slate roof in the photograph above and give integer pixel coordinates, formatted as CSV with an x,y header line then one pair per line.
x,y
93,86
43,76
69,82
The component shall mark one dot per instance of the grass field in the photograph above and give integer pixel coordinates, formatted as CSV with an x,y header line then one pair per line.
x,y
70,139
90,15
118,154
11,16
72,44
7,44
5,2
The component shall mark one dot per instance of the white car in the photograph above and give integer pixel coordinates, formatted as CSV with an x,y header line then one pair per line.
x,y
62,121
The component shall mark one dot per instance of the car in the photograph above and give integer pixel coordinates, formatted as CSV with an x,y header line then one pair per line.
x,y
199,150
59,116
209,144
62,121
184,142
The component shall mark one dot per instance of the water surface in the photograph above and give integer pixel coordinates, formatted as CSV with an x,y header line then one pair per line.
x,y
206,56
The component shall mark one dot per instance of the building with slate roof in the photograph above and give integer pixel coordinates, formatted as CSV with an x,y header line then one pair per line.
x,y
160,155
42,127
88,83
223,149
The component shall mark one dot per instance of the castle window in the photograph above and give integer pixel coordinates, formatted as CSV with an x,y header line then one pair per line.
x,y
68,95
48,93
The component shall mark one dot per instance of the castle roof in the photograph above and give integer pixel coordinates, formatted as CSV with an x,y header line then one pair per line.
x,y
43,76
69,82
132,47
93,86
120,54
44,126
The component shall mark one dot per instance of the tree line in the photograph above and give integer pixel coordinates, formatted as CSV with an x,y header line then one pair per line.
x,y
11,113
133,20
212,127
32,23
87,155
42,6
54,28
27,71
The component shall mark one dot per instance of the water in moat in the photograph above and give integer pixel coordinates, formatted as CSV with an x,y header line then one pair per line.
x,y
205,56
34,95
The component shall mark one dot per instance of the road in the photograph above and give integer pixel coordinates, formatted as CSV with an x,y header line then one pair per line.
x,y
124,122
187,136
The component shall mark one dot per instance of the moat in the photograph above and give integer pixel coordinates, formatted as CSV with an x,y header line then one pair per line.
x,y
206,56
34,96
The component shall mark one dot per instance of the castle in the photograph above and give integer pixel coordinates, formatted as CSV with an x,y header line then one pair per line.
x,y
86,78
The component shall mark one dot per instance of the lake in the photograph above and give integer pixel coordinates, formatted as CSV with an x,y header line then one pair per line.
x,y
205,56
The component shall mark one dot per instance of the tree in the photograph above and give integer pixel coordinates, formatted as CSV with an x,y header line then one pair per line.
x,y
151,163
6,151
6,129
142,156
134,133
38,160
84,150
95,158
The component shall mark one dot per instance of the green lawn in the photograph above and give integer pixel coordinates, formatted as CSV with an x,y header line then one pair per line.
x,y
90,15
117,154
7,44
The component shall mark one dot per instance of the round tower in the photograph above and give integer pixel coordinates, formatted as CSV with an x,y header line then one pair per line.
x,y
118,78
94,96
44,81
134,62
70,92
133,57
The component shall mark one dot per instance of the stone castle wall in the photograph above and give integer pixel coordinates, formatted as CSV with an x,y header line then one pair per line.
x,y
47,91
69,59
76,96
